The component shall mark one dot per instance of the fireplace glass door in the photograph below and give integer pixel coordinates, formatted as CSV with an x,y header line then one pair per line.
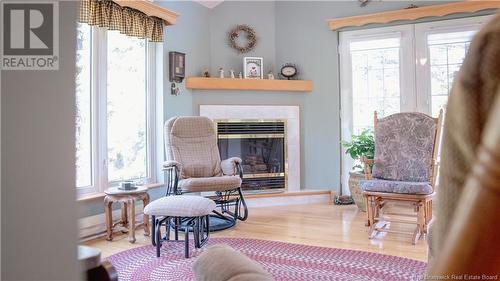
x,y
262,147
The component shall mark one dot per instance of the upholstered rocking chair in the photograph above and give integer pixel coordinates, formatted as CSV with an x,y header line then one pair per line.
x,y
403,170
193,165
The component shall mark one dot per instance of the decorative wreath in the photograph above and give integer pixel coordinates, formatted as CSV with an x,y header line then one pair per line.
x,y
243,30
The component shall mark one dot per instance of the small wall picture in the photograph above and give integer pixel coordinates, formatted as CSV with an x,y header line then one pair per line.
x,y
253,67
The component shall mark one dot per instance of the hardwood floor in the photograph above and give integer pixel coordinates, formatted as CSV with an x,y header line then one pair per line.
x,y
319,225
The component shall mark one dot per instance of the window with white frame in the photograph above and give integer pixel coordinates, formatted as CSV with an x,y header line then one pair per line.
x,y
440,48
115,109
375,64
399,68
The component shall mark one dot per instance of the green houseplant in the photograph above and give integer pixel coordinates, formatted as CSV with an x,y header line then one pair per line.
x,y
359,146
362,145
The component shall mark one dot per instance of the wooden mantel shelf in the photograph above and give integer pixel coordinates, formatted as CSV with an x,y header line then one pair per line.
x,y
439,10
203,83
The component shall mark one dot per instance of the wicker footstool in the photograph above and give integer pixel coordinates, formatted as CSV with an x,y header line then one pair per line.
x,y
180,212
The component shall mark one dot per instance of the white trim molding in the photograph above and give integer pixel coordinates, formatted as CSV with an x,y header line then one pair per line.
x,y
95,226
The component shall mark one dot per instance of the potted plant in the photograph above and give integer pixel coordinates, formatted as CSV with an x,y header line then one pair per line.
x,y
362,145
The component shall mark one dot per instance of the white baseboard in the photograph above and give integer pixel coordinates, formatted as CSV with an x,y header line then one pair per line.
x,y
95,226
287,200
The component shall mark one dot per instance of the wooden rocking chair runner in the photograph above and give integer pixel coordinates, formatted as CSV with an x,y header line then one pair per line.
x,y
404,170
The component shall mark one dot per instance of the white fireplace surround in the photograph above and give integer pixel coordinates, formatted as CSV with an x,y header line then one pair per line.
x,y
260,112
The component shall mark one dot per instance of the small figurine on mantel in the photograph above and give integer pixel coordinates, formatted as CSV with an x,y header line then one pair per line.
x,y
270,75
221,72
240,75
232,73
205,72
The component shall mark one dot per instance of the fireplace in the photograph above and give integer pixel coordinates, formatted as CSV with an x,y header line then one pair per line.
x,y
262,146
288,114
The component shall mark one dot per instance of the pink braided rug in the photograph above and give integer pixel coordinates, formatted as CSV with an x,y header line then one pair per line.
x,y
285,261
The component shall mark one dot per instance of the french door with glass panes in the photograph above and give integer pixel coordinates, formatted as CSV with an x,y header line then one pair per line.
x,y
397,69
440,49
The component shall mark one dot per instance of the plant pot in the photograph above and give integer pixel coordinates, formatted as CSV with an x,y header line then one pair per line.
x,y
356,193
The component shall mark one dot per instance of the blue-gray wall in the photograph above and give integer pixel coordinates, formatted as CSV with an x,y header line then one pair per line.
x,y
260,15
190,35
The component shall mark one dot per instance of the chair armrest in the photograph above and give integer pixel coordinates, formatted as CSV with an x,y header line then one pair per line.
x,y
172,174
230,166
367,167
171,164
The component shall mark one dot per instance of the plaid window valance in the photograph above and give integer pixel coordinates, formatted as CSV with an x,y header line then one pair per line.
x,y
128,21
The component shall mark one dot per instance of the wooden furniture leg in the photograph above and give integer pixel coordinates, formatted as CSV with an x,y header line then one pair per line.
x,y
131,218
429,211
379,204
145,201
367,205
369,210
109,218
124,214
372,207
422,217
420,209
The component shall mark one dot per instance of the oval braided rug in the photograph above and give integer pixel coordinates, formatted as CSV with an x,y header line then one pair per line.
x,y
285,261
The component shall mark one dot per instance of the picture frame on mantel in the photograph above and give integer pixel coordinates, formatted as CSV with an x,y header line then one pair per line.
x,y
253,67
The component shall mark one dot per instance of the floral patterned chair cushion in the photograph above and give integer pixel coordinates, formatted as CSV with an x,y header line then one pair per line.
x,y
404,145
389,186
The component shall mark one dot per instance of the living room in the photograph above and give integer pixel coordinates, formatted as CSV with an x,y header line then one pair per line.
x,y
288,140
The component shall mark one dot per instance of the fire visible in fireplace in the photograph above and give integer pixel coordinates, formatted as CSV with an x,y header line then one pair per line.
x,y
262,147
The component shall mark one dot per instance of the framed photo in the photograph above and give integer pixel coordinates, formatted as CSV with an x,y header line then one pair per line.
x,y
253,67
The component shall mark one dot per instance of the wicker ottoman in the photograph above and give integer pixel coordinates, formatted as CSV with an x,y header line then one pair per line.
x,y
180,212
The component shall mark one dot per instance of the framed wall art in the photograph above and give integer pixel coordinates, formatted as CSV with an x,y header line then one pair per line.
x,y
177,66
253,67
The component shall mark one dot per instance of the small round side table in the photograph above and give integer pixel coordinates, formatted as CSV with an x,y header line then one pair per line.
x,y
127,199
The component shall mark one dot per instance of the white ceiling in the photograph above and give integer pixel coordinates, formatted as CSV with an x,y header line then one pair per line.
x,y
209,4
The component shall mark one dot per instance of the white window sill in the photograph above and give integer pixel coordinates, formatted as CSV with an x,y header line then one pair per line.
x,y
97,195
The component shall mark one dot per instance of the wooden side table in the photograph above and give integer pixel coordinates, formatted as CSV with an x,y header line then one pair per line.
x,y
127,199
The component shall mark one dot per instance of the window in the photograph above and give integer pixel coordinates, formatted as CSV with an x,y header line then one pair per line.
x,y
440,48
126,107
115,109
397,69
375,79
83,108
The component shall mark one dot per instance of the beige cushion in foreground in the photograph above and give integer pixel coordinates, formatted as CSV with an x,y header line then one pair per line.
x,y
222,263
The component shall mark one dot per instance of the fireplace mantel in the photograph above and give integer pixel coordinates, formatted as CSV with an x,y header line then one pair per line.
x,y
203,83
